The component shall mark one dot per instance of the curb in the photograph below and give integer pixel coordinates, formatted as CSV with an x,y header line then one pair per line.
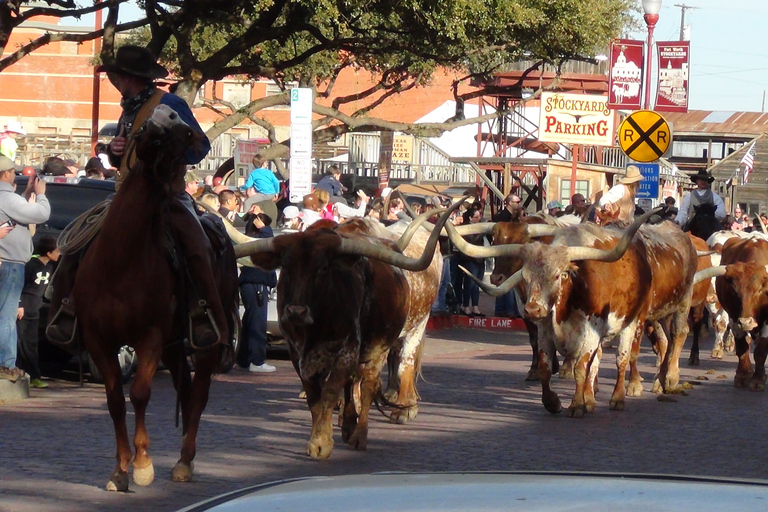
x,y
494,323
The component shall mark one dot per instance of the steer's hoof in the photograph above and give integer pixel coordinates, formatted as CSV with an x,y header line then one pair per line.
x,y
118,482
320,448
532,375
404,415
144,476
717,353
576,411
358,442
756,385
552,405
616,405
634,389
182,472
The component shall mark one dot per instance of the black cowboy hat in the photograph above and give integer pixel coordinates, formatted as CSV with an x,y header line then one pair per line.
x,y
702,175
136,61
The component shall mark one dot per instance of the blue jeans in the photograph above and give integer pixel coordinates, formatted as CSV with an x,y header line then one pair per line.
x,y
445,279
254,338
506,304
11,283
470,289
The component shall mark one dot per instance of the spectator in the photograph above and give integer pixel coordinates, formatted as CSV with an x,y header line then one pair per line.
x,y
310,212
15,252
211,200
255,287
578,201
292,219
343,212
230,207
94,170
101,154
619,201
261,185
396,210
476,266
37,275
8,144
192,184
554,207
512,210
55,166
326,209
331,184
738,224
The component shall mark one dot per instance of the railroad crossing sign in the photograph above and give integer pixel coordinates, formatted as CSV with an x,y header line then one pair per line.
x,y
644,136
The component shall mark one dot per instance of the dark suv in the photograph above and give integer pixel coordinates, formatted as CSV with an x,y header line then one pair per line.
x,y
69,198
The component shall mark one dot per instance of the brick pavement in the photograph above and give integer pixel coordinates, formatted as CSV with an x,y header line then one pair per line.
x,y
477,413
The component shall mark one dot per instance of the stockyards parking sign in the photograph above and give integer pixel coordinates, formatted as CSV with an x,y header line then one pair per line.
x,y
576,119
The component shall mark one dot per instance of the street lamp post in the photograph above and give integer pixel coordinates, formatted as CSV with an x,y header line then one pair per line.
x,y
651,9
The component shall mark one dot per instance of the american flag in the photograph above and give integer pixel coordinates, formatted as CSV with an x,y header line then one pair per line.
x,y
749,162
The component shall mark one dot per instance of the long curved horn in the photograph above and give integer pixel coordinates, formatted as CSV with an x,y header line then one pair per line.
x,y
408,208
700,254
497,291
537,230
480,228
236,236
405,238
475,251
257,245
361,247
611,255
709,273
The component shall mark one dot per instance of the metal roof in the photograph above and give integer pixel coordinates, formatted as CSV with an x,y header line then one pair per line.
x,y
718,123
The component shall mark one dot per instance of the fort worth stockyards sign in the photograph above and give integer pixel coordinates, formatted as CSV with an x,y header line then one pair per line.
x,y
576,119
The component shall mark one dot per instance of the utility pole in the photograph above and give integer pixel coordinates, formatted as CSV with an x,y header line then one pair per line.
x,y
683,8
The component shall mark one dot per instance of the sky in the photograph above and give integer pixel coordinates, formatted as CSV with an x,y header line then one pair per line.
x,y
729,50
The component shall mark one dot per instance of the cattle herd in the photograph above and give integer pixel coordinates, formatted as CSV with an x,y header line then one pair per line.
x,y
580,286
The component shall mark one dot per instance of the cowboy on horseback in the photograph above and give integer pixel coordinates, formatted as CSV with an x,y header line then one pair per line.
x,y
132,74
701,195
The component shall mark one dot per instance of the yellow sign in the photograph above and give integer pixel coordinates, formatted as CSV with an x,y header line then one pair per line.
x,y
644,136
402,149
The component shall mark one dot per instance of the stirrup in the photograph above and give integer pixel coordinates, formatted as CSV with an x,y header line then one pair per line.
x,y
202,314
55,331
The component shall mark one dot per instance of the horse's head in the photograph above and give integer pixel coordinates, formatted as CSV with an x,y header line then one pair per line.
x,y
162,141
705,209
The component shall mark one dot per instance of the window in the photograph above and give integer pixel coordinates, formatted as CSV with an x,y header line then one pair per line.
x,y
238,94
582,187
273,90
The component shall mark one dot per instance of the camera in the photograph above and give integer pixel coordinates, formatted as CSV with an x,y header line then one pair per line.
x,y
8,224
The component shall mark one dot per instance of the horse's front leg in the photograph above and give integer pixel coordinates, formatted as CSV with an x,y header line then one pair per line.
x,y
148,354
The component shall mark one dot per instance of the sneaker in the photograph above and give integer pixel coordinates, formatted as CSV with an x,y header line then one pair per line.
x,y
261,368
37,383
8,374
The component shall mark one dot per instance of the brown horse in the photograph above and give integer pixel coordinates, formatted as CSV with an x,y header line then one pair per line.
x,y
128,292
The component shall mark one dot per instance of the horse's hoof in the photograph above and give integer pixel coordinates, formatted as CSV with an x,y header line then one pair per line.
x,y
693,361
182,472
616,405
319,448
358,442
404,415
118,482
756,385
552,404
144,476
634,389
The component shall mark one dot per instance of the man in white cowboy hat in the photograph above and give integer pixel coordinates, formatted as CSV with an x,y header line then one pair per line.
x,y
619,201
133,73
8,144
702,194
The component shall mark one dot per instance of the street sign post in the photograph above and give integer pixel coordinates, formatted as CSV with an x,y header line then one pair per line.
x,y
301,144
645,136
649,186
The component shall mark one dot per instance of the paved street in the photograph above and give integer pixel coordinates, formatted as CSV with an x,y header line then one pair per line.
x,y
477,413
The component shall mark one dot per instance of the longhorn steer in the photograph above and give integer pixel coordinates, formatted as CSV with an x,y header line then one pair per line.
x,y
342,300
593,284
743,292
405,356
